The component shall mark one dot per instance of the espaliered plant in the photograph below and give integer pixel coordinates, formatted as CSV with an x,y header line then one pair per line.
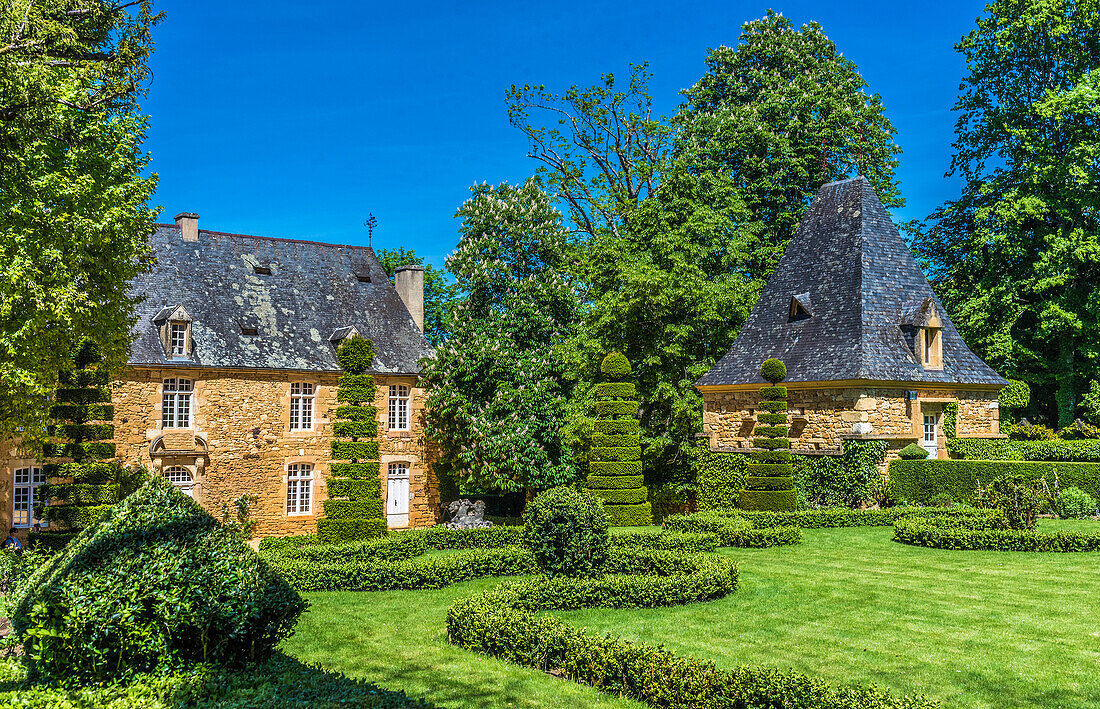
x,y
769,481
354,510
82,483
615,459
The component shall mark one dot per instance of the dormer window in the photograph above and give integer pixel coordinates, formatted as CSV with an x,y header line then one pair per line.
x,y
922,328
174,324
800,308
931,346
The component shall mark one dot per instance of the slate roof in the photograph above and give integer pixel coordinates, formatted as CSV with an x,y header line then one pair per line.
x,y
863,284
313,291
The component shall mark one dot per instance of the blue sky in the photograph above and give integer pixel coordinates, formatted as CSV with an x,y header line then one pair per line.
x,y
298,120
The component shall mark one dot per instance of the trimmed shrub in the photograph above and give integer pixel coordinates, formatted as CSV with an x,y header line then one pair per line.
x,y
1074,503
156,583
1082,451
946,533
440,537
355,510
913,452
1031,432
769,485
80,491
567,532
733,531
844,517
615,454
917,481
1017,395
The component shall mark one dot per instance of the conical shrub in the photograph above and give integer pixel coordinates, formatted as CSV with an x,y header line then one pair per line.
x,y
615,456
354,509
769,481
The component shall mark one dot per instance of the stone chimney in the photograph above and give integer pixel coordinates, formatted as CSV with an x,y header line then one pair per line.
x,y
410,286
188,222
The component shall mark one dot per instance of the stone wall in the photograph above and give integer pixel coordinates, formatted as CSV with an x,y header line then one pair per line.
x,y
822,418
241,441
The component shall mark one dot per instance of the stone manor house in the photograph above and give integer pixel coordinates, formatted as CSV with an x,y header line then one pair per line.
x,y
233,376
869,349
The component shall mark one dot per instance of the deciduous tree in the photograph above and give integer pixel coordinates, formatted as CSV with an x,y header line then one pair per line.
x,y
440,294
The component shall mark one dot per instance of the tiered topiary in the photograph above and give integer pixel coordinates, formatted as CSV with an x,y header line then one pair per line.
x,y
615,460
155,583
354,510
80,491
769,481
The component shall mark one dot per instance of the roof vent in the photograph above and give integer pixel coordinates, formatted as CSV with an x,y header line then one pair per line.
x,y
363,277
250,331
261,270
801,308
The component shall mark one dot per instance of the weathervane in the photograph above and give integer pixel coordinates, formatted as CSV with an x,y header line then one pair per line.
x,y
370,224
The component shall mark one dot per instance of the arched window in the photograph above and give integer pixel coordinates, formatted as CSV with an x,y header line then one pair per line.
x,y
181,478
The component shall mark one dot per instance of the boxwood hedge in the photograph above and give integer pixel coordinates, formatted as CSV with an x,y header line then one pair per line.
x,y
947,533
918,481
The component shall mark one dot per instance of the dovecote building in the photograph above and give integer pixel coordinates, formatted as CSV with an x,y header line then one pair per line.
x,y
233,376
869,349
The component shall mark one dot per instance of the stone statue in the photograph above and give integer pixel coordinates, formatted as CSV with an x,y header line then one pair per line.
x,y
465,514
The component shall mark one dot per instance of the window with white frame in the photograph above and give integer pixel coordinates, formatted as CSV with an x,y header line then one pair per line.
x,y
27,482
178,338
301,406
299,489
176,403
399,407
181,478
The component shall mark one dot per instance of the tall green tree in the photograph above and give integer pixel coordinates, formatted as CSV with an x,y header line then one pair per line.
x,y
497,387
1016,258
440,293
74,201
781,114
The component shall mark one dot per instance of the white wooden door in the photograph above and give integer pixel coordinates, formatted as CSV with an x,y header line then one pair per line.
x,y
930,443
397,496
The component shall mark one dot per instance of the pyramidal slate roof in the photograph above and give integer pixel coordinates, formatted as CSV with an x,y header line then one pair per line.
x,y
312,293
849,269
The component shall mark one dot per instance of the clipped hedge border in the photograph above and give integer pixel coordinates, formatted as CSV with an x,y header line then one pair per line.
x,y
638,515
394,547
733,531
844,517
1084,451
945,533
628,496
685,542
354,509
350,530
615,454
505,623
918,481
614,482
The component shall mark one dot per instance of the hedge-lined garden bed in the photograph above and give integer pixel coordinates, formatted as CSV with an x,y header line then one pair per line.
x,y
918,481
948,533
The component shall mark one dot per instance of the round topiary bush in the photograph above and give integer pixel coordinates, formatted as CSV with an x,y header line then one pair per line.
x,y
913,452
155,583
567,531
1074,503
769,484
773,370
615,366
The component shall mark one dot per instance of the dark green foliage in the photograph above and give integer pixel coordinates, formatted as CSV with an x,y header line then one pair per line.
x,y
768,500
356,355
1002,449
357,413
567,532
353,509
684,542
773,370
771,443
1031,432
1080,430
917,481
777,406
768,470
355,429
74,516
156,583
719,477
1017,395
733,531
771,431
355,450
615,366
913,452
355,395
773,394
393,547
844,517
356,381
769,483
51,541
1017,499
950,419
947,533
82,412
775,456
614,459
614,482
773,418
88,395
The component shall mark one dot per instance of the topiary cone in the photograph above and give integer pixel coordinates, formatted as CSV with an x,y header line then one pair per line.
x,y
354,509
769,481
615,455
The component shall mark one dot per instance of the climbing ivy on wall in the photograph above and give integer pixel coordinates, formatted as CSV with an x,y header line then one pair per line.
x,y
354,508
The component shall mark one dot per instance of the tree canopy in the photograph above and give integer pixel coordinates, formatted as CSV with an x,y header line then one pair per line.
x,y
440,294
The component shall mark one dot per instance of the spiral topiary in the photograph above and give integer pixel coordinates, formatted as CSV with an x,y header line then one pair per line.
x,y
769,481
82,483
354,509
615,457
567,531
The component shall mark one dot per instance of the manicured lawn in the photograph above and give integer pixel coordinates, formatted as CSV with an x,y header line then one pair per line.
x,y
974,629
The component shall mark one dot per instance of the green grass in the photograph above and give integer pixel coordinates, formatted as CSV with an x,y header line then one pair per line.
x,y
974,629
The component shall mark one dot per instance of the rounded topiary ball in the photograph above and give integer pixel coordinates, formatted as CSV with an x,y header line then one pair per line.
x,y
566,530
615,366
355,354
912,452
773,370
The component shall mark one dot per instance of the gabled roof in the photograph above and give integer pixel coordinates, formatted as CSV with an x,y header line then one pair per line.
x,y
864,285
312,292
